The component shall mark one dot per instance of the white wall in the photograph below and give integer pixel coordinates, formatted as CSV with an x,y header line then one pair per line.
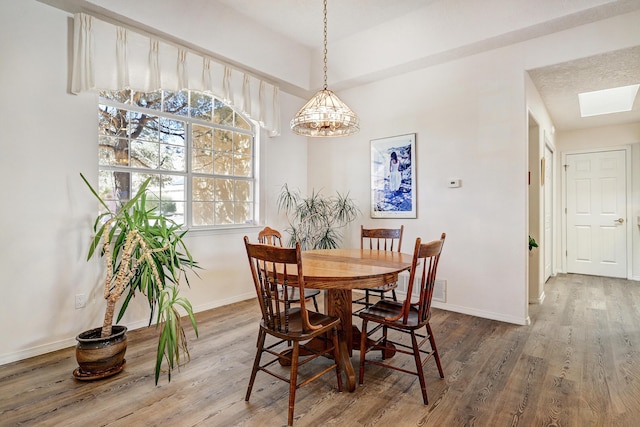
x,y
48,138
469,117
538,111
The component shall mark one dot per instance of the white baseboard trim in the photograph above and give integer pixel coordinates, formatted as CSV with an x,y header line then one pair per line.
x,y
542,297
71,342
474,312
539,300
223,302
37,350
481,313
197,309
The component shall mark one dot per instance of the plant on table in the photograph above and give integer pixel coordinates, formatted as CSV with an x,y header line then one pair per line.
x,y
144,252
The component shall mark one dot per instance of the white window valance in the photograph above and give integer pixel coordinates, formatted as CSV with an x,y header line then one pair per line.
x,y
110,57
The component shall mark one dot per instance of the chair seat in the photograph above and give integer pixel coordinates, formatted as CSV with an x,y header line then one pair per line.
x,y
381,290
389,309
384,288
295,332
293,294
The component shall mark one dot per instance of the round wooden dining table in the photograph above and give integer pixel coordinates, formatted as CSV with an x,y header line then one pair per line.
x,y
339,271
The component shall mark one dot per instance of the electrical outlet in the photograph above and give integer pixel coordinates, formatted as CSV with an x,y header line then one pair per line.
x,y
81,301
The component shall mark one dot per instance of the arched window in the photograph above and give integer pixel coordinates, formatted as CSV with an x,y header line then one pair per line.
x,y
200,152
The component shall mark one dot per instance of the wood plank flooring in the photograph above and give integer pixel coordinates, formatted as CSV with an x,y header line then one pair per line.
x,y
577,364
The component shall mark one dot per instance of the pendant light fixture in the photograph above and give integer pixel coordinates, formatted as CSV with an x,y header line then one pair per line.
x,y
325,115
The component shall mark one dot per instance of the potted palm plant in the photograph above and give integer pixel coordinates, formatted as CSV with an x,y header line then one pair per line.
x,y
143,252
315,221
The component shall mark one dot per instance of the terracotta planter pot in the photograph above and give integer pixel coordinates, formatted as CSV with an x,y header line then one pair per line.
x,y
100,357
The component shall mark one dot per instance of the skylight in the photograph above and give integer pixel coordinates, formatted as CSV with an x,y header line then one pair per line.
x,y
607,101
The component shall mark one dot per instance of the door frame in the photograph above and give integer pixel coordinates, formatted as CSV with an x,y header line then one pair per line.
x,y
629,248
550,187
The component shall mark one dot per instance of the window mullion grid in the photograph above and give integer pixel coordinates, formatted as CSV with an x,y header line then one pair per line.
x,y
188,172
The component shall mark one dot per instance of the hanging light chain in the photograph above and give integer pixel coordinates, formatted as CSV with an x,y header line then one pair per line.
x,y
324,114
325,44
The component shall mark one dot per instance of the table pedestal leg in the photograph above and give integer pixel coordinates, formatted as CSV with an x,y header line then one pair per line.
x,y
338,303
347,367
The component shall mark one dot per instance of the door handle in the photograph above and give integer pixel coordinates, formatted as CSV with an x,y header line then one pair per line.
x,y
619,220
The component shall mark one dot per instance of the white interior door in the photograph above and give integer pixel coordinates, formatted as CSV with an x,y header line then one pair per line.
x,y
596,211
548,213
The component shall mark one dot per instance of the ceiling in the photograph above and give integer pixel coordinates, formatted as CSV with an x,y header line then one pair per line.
x,y
558,84
302,20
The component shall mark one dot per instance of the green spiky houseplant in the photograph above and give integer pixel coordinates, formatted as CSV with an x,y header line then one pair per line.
x,y
144,252
315,221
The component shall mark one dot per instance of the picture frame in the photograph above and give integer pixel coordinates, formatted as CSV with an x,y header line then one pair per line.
x,y
393,177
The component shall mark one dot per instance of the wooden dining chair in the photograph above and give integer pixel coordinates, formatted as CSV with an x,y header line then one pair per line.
x,y
406,317
386,239
273,268
270,236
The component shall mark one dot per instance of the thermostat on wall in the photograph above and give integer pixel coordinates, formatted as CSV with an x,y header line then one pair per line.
x,y
454,183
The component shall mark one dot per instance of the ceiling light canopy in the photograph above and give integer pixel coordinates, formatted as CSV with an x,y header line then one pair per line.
x,y
325,115
607,101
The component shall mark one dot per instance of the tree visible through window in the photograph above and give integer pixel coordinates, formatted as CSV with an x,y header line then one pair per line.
x,y
199,152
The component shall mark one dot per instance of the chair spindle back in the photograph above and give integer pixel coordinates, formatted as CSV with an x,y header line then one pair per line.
x,y
382,239
274,269
425,266
270,236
